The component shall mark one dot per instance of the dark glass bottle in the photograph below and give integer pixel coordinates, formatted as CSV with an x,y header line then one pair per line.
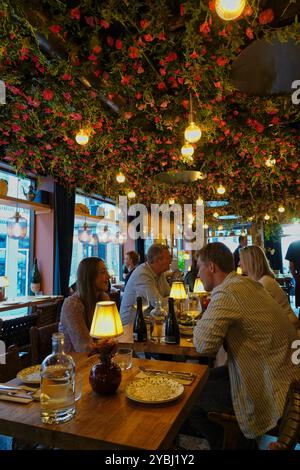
x,y
35,283
139,326
172,333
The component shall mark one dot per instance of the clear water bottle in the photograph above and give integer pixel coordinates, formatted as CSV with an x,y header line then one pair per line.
x,y
57,384
158,317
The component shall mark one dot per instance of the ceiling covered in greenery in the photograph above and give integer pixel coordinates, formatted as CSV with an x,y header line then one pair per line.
x,y
124,70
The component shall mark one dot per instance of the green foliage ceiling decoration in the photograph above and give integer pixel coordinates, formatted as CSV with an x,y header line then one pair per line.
x,y
144,58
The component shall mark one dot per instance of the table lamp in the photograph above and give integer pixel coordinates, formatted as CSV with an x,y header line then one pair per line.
x,y
199,287
105,377
179,294
3,283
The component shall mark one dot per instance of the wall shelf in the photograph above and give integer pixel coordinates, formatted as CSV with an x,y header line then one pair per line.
x,y
94,219
24,204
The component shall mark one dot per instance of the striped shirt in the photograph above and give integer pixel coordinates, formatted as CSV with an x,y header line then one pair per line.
x,y
259,337
144,283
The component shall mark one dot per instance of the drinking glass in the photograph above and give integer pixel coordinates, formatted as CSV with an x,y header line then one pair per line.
x,y
123,358
78,385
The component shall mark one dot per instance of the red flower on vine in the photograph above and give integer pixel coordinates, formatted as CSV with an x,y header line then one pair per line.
x,y
75,13
266,16
204,28
48,95
55,28
133,52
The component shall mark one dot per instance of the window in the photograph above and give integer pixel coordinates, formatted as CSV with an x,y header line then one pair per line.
x,y
104,230
14,254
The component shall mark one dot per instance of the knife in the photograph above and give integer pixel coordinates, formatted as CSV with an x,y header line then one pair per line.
x,y
10,393
184,375
24,388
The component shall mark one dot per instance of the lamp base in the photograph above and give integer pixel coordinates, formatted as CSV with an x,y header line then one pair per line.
x,y
105,377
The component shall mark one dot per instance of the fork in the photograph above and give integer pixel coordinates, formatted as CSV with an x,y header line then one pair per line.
x,y
183,375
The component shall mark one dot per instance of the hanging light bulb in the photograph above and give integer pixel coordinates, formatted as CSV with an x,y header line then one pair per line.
x,y
16,227
221,189
82,137
187,150
270,162
220,227
171,201
193,132
199,201
205,226
250,219
216,215
94,240
281,209
131,195
103,233
120,177
267,217
85,233
230,9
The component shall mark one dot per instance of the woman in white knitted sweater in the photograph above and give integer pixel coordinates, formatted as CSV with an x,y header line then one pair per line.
x,y
254,263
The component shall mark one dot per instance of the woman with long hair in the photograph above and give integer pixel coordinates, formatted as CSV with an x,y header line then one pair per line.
x,y
254,263
78,309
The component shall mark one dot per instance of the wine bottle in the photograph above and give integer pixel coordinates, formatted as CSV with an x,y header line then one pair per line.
x,y
172,333
35,284
139,326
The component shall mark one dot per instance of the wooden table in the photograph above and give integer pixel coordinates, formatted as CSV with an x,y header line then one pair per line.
x,y
30,301
112,422
185,348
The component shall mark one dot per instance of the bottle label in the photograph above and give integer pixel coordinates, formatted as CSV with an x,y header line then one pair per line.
x,y
35,287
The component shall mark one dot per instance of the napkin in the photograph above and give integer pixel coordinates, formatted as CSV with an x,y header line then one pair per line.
x,y
16,398
185,381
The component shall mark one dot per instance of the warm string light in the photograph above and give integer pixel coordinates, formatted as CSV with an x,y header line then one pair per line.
x,y
281,209
221,189
131,195
216,215
82,137
199,201
120,177
267,217
205,226
229,10
270,162
171,202
220,227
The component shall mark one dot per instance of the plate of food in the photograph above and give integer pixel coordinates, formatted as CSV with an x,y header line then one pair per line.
x,y
30,375
154,390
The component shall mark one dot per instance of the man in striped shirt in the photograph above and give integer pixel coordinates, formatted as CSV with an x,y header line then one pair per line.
x,y
258,337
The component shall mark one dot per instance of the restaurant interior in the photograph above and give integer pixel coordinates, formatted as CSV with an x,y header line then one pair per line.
x,y
133,135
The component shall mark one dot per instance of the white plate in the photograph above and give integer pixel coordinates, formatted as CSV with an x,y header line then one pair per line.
x,y
30,375
154,390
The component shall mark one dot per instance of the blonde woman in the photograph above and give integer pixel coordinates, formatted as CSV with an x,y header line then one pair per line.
x,y
254,263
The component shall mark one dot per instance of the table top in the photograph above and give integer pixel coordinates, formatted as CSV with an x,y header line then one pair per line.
x,y
111,422
185,348
28,301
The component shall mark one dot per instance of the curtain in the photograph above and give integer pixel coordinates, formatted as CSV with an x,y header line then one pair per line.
x,y
64,209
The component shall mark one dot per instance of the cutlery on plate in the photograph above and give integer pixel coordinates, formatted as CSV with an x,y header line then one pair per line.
x,y
184,375
16,394
18,387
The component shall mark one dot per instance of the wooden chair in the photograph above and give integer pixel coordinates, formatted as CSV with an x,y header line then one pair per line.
x,y
41,341
16,332
47,313
288,430
12,364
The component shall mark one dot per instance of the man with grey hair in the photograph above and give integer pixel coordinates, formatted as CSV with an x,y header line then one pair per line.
x,y
148,281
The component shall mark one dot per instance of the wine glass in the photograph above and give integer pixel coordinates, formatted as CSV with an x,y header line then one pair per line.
x,y
194,308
